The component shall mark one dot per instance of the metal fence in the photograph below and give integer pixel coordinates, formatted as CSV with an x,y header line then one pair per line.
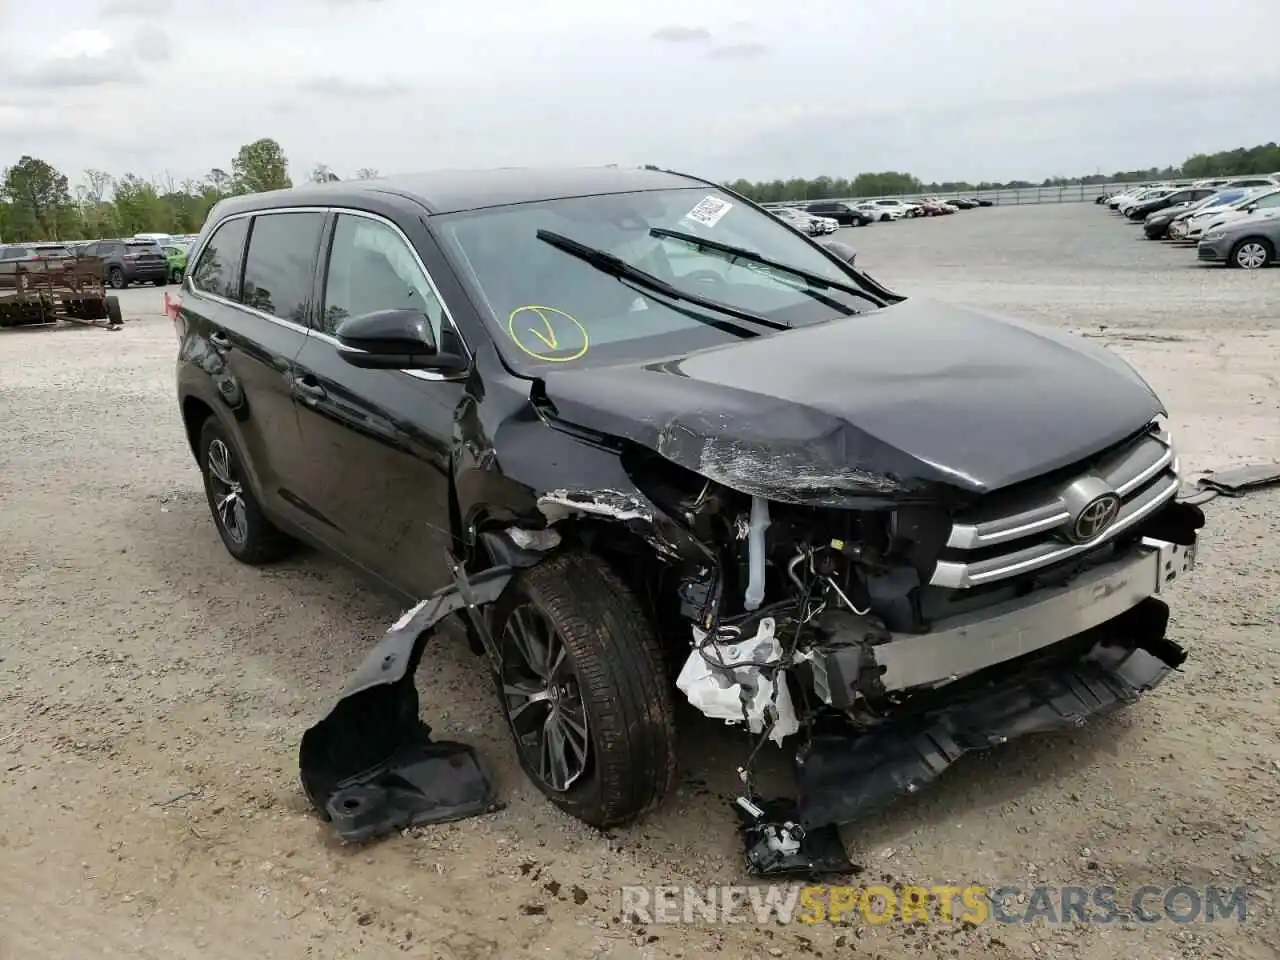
x,y
1071,193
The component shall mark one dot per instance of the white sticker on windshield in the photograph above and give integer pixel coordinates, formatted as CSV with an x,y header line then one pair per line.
x,y
709,211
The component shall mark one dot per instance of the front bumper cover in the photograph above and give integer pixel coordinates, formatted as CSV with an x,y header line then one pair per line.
x,y
370,766
842,778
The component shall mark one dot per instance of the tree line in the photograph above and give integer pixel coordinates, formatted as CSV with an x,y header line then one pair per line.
x,y
1242,161
37,202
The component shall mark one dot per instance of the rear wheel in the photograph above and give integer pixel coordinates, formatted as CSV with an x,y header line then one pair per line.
x,y
1252,253
247,534
175,275
585,690
115,316
159,281
115,277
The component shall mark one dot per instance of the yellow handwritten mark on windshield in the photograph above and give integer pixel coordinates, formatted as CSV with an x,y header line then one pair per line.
x,y
540,331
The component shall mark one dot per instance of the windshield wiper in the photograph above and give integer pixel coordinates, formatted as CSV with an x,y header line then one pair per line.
x,y
606,262
742,253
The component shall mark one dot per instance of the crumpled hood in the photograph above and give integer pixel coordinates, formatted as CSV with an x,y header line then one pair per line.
x,y
899,399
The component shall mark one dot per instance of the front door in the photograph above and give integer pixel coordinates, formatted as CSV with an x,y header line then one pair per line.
x,y
379,441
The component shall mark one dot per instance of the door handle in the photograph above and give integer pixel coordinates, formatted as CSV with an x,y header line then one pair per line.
x,y
309,388
220,340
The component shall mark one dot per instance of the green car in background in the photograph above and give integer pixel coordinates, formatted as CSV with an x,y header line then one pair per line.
x,y
177,254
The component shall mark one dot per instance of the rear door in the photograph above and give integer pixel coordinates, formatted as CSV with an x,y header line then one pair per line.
x,y
379,441
250,303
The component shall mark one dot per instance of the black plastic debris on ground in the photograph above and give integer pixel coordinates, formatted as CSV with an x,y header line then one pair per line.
x,y
777,846
370,766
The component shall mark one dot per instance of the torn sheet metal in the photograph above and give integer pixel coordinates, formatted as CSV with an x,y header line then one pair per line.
x,y
842,778
724,682
370,766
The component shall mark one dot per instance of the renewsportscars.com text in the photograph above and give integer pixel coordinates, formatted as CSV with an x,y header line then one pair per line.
x,y
973,904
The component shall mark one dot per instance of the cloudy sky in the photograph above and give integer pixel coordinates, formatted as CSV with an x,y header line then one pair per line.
x,y
987,89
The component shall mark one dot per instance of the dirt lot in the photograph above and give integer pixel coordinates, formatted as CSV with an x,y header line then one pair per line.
x,y
152,691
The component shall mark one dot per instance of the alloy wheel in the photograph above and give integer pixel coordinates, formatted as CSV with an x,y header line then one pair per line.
x,y
1251,255
228,492
543,699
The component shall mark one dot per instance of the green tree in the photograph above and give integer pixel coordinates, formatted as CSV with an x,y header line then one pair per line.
x,y
39,199
260,166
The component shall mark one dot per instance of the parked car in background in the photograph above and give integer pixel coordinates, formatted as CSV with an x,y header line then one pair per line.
x,y
1195,225
1252,183
844,213
982,202
964,203
903,208
129,261
1156,226
1178,227
176,254
1259,202
1146,196
805,222
1249,243
878,213
35,251
934,207
1140,209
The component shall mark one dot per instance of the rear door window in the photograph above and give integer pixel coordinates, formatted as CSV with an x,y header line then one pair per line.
x,y
218,270
280,267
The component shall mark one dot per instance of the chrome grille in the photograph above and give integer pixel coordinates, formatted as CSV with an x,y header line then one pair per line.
x,y
1009,536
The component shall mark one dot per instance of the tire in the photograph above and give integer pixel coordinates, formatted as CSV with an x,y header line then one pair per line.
x,y
159,282
1252,253
253,539
115,279
612,676
175,275
885,218
115,316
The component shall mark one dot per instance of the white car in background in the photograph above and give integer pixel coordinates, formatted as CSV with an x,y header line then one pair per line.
x,y
807,222
898,208
1263,202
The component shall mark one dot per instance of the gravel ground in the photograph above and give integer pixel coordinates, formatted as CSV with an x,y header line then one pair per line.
x,y
152,691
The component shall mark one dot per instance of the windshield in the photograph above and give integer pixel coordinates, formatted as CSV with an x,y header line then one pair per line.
x,y
547,307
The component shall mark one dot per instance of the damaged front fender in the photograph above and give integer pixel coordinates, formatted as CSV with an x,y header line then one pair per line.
x,y
370,766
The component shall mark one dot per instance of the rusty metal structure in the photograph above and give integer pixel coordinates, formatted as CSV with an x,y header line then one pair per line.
x,y
43,291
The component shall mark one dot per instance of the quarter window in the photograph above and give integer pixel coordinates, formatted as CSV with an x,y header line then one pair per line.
x,y
218,269
371,268
281,263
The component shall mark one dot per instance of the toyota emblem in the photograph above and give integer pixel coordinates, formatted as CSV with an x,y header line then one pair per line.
x,y
1096,516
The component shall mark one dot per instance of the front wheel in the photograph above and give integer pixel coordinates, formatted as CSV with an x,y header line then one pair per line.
x,y
585,691
1252,254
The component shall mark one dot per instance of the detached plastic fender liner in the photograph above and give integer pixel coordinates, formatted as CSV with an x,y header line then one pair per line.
x,y
370,766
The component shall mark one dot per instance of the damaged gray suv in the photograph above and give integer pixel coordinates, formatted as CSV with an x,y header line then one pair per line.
x,y
656,443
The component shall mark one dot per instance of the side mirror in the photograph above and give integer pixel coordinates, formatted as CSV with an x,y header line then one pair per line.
x,y
841,250
394,340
